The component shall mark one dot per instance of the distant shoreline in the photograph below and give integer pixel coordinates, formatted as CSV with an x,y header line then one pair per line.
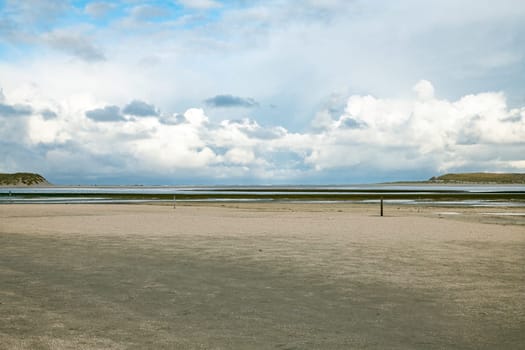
x,y
33,180
420,194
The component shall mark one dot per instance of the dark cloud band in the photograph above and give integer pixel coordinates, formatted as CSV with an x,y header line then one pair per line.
x,y
140,109
14,110
231,101
106,114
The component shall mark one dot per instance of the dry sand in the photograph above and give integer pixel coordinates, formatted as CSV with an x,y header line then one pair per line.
x,y
260,276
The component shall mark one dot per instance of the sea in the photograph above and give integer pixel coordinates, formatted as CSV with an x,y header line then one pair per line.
x,y
456,195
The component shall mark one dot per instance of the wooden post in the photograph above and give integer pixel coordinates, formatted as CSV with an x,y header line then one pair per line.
x,y
381,206
174,202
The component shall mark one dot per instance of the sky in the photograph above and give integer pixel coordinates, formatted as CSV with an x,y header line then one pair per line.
x,y
260,92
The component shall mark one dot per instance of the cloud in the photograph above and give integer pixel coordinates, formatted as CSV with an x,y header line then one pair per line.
x,y
39,12
239,156
351,123
15,110
227,101
106,114
516,118
372,138
253,130
98,9
7,30
148,12
423,132
140,109
199,4
295,73
424,90
174,119
13,125
48,114
75,45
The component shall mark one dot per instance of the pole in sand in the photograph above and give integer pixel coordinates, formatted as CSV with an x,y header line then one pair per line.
x,y
174,202
381,206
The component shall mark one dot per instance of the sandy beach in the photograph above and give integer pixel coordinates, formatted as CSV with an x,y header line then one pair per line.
x,y
261,276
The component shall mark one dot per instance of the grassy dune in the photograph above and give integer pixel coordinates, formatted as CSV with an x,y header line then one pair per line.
x,y
22,179
503,178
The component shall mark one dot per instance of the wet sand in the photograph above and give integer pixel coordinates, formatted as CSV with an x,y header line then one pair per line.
x,y
261,276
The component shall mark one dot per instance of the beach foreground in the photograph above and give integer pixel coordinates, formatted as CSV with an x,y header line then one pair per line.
x,y
265,276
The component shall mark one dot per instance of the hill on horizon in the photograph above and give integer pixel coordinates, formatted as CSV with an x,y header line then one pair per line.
x,y
22,179
498,178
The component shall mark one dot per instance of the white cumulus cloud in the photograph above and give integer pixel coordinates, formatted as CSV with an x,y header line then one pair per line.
x,y
371,135
423,132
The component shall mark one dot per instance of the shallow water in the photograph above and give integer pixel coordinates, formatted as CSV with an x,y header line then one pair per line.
x,y
422,189
109,194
